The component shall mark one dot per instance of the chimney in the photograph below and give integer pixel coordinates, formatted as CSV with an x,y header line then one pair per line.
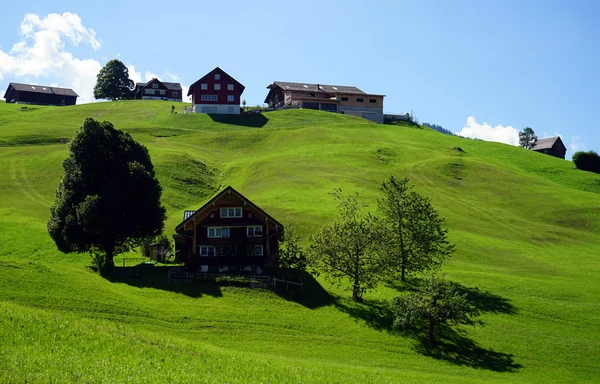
x,y
318,87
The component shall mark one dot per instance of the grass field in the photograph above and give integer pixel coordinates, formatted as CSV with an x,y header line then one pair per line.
x,y
526,228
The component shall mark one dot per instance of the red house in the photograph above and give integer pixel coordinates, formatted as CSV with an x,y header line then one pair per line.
x,y
229,234
216,92
158,90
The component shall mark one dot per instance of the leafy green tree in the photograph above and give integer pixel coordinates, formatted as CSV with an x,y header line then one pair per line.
x,y
113,82
291,254
436,302
527,138
108,197
347,249
587,161
244,104
416,238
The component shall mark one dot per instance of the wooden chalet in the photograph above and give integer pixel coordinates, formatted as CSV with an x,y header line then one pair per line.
x,y
552,146
216,92
39,95
229,234
158,90
332,98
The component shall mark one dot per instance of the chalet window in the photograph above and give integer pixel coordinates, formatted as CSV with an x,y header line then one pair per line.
x,y
231,212
254,231
175,94
155,86
230,87
372,101
149,91
344,99
360,100
162,92
217,87
206,250
209,97
258,250
204,86
217,76
229,109
216,232
230,97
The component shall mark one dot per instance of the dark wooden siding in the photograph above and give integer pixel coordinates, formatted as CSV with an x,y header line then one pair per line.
x,y
39,98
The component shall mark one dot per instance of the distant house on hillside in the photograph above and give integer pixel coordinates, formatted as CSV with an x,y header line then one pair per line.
x,y
216,92
158,90
39,94
551,146
332,98
229,234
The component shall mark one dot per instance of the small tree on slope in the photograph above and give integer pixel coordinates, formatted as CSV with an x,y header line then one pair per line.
x,y
416,239
348,248
436,302
527,138
113,82
108,198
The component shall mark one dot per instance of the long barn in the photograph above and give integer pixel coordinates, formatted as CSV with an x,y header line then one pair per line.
x,y
39,94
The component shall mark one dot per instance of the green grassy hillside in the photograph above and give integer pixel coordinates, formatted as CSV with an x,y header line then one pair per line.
x,y
526,228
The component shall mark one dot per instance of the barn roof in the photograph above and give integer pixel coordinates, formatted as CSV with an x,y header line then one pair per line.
x,y
43,89
547,143
308,87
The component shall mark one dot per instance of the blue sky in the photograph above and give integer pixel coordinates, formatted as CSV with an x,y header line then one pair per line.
x,y
483,68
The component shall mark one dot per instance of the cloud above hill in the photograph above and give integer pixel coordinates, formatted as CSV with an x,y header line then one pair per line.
x,y
484,131
43,54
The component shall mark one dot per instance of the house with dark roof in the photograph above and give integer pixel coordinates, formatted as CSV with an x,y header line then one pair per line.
x,y
158,90
39,94
216,92
552,146
229,234
332,98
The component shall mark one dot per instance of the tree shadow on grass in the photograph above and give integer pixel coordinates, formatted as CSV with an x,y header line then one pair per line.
x,y
253,120
147,276
313,295
375,313
454,347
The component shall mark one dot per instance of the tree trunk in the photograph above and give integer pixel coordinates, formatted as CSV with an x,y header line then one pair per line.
x,y
403,273
356,289
431,332
110,262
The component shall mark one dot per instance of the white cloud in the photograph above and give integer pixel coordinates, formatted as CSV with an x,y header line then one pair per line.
x,y
41,55
485,131
576,144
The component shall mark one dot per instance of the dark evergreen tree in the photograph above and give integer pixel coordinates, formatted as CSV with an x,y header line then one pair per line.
x,y
527,138
109,197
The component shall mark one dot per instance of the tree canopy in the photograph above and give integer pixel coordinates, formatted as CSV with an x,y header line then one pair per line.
x,y
416,237
527,138
113,82
347,249
108,197
436,302
587,161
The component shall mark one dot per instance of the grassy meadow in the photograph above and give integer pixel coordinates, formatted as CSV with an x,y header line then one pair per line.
x,y
526,228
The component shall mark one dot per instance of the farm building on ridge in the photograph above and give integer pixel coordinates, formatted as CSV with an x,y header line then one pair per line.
x,y
552,146
216,92
332,98
158,90
39,95
229,234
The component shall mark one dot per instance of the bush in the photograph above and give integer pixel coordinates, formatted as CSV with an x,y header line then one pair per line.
x,y
587,161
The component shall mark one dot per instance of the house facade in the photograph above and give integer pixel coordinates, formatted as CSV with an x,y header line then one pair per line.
x,y
158,90
39,95
552,146
332,98
229,234
216,92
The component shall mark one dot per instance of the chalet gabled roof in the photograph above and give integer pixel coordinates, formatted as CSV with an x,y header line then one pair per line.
x,y
220,71
169,86
42,89
188,215
547,143
308,87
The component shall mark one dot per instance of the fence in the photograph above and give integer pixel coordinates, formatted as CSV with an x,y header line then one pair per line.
x,y
287,284
175,275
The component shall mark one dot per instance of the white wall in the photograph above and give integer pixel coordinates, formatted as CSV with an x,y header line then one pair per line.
x,y
227,109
